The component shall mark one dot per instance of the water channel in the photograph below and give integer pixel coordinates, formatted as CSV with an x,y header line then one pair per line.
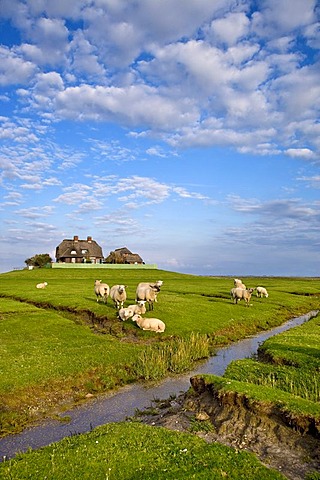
x,y
124,402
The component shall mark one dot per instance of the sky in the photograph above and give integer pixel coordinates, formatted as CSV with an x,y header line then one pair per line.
x,y
186,130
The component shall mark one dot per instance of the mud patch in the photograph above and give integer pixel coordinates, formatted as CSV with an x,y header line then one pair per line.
x,y
230,420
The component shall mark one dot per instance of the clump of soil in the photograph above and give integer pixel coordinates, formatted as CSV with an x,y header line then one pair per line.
x,y
230,420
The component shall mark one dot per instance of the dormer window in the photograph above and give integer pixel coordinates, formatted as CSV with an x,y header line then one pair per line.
x,y
73,252
84,251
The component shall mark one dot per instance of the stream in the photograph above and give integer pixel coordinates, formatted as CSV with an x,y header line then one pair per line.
x,y
123,403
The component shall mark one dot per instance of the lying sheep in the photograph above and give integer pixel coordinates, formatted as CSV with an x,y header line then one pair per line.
x,y
262,292
119,295
238,294
238,283
42,285
153,324
148,294
101,290
128,312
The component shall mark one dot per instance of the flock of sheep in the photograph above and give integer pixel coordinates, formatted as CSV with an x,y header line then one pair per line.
x,y
241,292
145,293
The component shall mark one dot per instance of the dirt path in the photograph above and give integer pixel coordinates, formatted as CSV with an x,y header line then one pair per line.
x,y
275,444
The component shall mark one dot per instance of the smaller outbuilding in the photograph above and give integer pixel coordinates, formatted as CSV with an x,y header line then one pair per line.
x,y
123,255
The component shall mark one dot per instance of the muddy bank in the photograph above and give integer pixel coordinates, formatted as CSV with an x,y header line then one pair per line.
x,y
230,419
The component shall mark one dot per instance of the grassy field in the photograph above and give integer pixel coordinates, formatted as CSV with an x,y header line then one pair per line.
x,y
59,344
131,451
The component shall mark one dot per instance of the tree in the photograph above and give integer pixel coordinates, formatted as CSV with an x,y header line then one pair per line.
x,y
39,260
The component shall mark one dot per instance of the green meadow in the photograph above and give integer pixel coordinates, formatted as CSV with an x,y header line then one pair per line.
x,y
59,344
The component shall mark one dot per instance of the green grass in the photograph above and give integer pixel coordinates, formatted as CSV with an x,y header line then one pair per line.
x,y
289,405
136,452
298,346
58,344
294,362
290,379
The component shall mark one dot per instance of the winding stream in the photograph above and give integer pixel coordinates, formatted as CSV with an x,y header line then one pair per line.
x,y
124,402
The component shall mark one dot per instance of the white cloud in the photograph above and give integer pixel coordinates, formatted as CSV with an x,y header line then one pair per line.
x,y
111,104
13,69
231,28
300,153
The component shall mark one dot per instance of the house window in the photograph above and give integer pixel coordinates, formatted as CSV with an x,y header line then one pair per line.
x,y
84,251
73,252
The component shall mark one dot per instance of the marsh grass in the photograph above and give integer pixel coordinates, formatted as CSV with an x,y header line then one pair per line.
x,y
52,354
299,382
177,356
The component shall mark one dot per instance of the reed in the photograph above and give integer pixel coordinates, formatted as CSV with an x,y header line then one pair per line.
x,y
303,384
177,356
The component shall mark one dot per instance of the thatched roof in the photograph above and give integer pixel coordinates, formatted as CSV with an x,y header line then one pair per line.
x,y
123,255
76,248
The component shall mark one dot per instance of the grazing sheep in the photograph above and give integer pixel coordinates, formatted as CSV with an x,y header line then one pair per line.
x,y
119,295
101,290
238,283
42,285
155,285
153,324
262,292
128,312
241,293
149,294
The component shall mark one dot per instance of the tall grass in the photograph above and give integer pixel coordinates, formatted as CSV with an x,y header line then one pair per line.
x,y
177,356
301,382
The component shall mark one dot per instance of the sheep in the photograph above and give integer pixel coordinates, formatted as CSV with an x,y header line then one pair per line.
x,y
241,293
101,290
262,292
149,294
125,313
128,312
42,285
119,295
238,283
153,324
156,285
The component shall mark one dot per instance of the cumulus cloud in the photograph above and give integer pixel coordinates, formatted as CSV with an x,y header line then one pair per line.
x,y
14,70
300,153
98,96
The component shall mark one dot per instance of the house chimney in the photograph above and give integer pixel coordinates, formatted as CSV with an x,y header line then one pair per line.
x,y
75,238
89,239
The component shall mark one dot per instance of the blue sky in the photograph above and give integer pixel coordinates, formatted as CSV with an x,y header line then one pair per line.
x,y
185,130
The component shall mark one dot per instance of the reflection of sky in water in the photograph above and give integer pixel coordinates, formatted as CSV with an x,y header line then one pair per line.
x,y
124,403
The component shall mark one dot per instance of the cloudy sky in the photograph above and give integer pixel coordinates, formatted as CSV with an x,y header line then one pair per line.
x,y
185,130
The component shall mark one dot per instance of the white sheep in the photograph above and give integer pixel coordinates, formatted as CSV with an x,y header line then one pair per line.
x,y
119,295
130,310
149,294
155,285
42,285
238,294
262,292
101,290
125,313
153,324
238,283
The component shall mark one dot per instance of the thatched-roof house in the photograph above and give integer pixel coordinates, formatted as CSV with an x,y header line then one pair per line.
x,y
79,251
123,255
